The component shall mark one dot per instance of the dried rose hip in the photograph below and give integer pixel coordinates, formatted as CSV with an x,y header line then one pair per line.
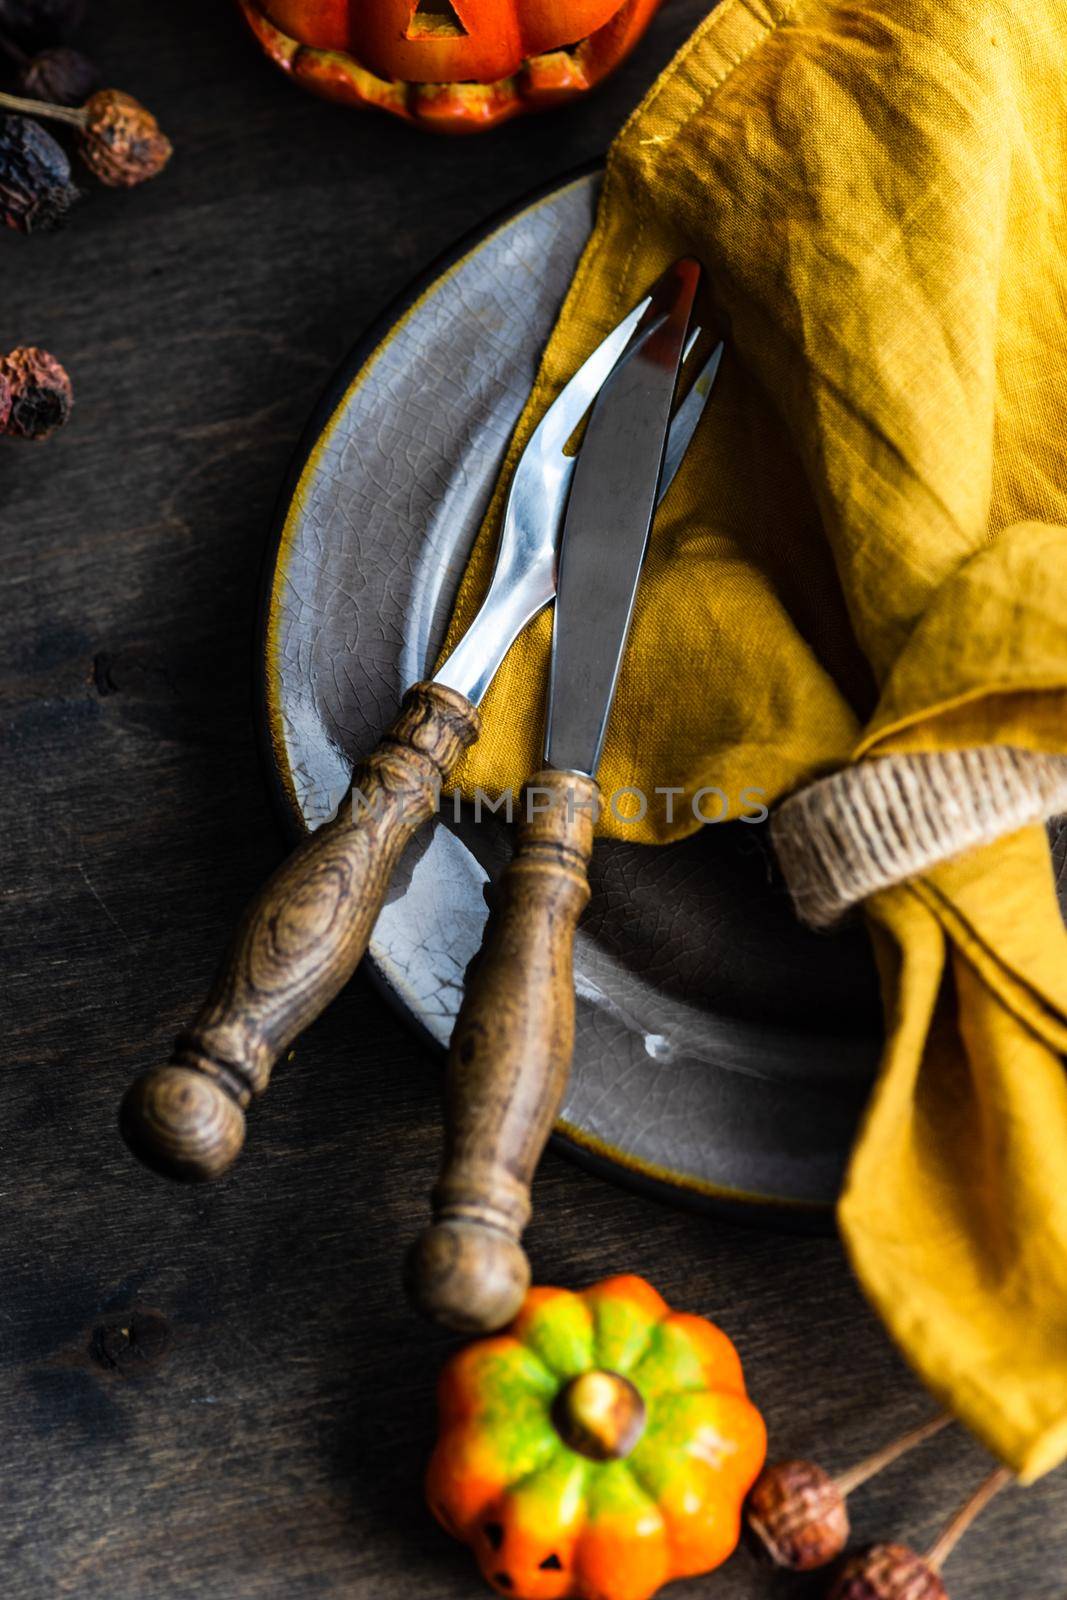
x,y
121,141
35,188
888,1572
797,1514
41,393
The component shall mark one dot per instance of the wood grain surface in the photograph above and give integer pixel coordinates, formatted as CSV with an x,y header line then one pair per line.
x,y
220,1393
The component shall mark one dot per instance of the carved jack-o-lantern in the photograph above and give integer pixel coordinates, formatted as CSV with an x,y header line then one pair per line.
x,y
454,65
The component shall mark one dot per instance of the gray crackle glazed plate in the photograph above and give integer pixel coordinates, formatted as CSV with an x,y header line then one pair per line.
x,y
722,1054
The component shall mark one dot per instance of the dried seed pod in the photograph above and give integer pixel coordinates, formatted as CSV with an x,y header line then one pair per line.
x,y
35,24
797,1513
888,1572
35,188
41,393
61,75
121,141
893,1572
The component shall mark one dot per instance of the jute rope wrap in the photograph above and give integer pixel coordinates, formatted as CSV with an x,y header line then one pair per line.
x,y
884,821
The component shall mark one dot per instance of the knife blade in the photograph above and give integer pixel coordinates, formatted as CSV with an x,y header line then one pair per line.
x,y
608,522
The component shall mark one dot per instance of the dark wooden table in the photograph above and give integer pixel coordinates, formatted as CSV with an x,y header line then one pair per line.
x,y
220,1394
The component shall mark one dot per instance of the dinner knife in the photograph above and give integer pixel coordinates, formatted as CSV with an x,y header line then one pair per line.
x,y
301,938
511,1047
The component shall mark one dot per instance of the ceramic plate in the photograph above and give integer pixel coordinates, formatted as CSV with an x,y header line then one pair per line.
x,y
722,1053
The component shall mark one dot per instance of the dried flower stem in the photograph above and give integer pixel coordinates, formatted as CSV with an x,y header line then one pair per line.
x,y
77,116
953,1532
850,1480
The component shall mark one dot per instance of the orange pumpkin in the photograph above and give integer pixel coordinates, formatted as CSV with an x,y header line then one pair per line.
x,y
599,1447
453,65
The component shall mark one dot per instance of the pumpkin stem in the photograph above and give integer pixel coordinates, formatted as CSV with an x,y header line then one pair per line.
x,y
600,1415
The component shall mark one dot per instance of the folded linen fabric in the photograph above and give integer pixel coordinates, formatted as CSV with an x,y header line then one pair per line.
x,y
865,557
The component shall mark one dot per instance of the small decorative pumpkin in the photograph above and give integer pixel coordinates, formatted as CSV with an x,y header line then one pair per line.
x,y
597,1448
453,65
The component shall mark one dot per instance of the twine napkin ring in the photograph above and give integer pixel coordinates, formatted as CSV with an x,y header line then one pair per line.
x,y
892,818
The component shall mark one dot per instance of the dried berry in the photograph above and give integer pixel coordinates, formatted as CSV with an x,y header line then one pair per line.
x,y
893,1572
61,75
888,1572
41,393
798,1516
35,188
796,1513
121,141
37,23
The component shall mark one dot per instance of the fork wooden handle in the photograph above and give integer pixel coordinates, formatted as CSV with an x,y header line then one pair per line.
x,y
508,1066
297,944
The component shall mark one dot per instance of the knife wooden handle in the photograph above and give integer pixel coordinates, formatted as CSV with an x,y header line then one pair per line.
x,y
297,944
508,1066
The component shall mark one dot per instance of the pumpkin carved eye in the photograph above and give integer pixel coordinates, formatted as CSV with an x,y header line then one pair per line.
x,y
435,19
551,1563
494,1533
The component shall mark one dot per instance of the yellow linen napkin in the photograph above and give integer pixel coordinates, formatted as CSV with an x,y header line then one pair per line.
x,y
866,553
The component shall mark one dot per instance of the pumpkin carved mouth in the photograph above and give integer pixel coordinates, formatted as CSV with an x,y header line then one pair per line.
x,y
453,65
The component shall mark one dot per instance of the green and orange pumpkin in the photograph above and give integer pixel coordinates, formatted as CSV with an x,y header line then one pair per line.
x,y
599,1447
452,65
